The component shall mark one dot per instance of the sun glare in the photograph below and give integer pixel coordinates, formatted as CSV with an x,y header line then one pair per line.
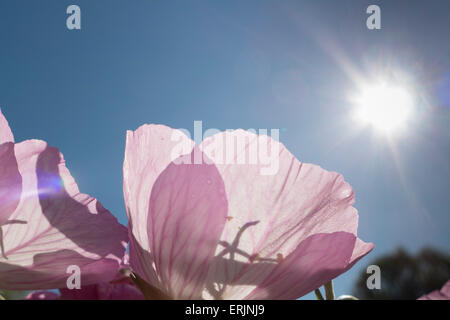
x,y
385,108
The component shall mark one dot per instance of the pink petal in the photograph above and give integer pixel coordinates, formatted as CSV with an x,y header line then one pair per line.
x,y
10,182
446,289
43,295
120,288
103,291
149,151
126,292
316,261
443,294
5,132
272,215
187,214
55,227
359,251
89,292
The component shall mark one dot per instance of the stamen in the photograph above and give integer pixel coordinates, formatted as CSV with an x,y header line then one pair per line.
x,y
280,257
253,257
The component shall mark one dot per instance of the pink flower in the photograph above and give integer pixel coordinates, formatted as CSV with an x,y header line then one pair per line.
x,y
120,288
100,291
42,295
443,294
103,291
46,224
222,229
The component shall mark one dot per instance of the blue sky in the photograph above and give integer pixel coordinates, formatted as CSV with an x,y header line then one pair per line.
x,y
241,64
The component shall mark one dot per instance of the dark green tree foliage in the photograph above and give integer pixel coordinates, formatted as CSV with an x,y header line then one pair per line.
x,y
405,276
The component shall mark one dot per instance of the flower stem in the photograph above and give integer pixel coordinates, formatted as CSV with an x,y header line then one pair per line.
x,y
329,292
319,295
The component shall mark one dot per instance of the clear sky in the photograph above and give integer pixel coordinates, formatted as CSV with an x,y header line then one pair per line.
x,y
242,64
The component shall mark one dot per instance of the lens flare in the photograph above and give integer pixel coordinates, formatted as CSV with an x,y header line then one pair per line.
x,y
386,108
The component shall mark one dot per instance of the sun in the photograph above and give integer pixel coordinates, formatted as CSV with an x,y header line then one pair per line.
x,y
387,108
